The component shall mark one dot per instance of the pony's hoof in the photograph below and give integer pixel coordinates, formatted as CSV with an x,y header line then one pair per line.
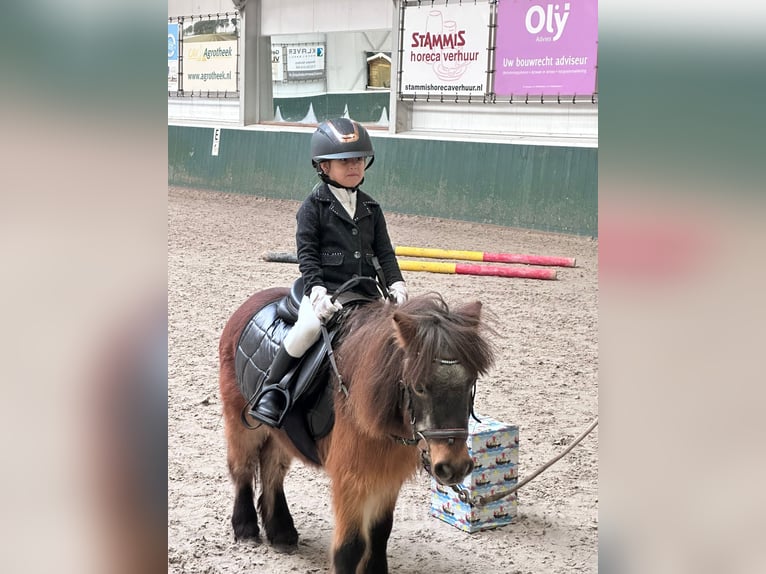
x,y
284,539
246,531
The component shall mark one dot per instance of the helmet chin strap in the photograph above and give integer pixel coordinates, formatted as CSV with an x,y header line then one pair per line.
x,y
326,178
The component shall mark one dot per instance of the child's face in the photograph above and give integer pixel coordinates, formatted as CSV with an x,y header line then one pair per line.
x,y
347,172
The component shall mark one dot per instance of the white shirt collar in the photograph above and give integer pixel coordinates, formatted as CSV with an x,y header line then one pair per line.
x,y
347,199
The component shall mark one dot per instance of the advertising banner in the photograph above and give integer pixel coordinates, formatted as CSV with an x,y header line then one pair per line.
x,y
445,48
210,63
546,48
305,62
172,57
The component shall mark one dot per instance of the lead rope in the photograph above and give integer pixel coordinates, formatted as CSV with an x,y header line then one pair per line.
x,y
463,493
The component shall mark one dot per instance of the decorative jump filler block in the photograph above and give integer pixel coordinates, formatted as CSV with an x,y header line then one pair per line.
x,y
494,447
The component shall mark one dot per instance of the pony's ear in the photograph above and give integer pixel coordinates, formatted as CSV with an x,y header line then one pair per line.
x,y
406,328
471,312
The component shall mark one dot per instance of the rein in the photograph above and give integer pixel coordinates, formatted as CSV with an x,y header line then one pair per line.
x,y
347,286
331,354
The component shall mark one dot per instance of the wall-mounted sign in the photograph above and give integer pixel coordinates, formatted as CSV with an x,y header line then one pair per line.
x,y
216,141
305,61
445,48
172,57
277,64
210,63
546,48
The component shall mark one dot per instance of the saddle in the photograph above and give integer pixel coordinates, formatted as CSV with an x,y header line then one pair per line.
x,y
310,416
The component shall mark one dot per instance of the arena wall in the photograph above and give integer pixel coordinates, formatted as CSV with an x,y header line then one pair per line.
x,y
541,187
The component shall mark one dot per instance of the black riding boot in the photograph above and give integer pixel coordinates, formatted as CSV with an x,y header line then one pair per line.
x,y
273,399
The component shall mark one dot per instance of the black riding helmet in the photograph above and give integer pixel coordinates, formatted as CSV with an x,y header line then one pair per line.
x,y
340,138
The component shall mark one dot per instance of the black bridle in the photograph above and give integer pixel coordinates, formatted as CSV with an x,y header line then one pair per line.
x,y
448,434
425,435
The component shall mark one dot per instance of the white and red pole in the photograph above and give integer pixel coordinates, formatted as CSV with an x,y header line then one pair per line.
x,y
485,256
469,269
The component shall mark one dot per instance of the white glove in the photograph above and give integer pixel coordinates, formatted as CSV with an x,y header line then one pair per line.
x,y
399,291
323,306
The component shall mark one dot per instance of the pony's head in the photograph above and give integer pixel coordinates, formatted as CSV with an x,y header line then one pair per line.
x,y
444,352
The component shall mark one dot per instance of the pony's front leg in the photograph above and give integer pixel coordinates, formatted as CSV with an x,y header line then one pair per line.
x,y
379,532
363,523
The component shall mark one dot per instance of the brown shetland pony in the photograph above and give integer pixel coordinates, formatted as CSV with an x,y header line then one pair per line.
x,y
410,372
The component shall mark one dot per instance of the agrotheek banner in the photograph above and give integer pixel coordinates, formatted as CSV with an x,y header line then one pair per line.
x,y
210,63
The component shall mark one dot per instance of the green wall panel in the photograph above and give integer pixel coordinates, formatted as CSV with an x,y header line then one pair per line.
x,y
532,187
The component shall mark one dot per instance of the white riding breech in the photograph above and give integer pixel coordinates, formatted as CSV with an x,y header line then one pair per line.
x,y
305,332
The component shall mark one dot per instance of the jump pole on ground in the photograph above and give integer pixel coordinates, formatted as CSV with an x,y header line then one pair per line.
x,y
280,257
439,267
485,256
469,269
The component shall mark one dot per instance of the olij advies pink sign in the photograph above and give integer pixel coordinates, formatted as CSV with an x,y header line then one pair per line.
x,y
546,48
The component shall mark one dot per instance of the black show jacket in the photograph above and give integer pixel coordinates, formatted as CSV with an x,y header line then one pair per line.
x,y
333,247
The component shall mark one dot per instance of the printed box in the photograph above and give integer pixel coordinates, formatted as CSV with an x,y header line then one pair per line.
x,y
494,447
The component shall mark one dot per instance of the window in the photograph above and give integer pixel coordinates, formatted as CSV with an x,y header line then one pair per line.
x,y
340,74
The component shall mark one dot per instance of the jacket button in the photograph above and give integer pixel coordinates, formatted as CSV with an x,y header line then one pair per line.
x,y
354,231
357,255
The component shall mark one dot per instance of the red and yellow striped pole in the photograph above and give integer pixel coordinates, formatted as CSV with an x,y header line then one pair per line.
x,y
484,256
468,269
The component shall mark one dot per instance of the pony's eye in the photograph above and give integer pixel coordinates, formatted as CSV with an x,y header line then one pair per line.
x,y
419,389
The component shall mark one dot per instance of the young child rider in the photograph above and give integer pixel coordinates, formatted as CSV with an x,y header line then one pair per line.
x,y
340,229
